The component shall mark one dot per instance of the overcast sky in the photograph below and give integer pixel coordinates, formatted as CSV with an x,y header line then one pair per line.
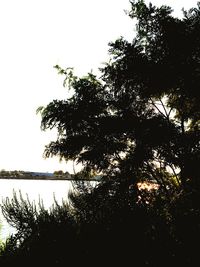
x,y
35,36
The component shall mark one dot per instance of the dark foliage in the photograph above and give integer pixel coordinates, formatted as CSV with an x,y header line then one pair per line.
x,y
138,123
141,117
102,224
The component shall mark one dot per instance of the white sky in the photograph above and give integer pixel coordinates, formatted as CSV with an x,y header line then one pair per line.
x,y
35,36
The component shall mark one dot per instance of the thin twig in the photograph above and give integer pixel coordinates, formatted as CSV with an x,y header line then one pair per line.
x,y
152,102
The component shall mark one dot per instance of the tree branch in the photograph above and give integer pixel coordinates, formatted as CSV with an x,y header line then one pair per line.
x,y
163,114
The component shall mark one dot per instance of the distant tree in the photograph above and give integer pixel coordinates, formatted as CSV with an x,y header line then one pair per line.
x,y
4,173
67,175
58,173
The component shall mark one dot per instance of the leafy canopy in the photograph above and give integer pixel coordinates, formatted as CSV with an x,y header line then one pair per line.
x,y
140,119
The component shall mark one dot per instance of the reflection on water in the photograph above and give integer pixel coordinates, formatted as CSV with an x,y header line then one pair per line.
x,y
45,190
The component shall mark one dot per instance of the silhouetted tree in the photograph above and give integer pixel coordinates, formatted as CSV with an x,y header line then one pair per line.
x,y
140,120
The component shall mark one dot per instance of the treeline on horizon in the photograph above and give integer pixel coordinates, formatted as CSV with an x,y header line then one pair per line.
x,y
56,175
19,174
137,124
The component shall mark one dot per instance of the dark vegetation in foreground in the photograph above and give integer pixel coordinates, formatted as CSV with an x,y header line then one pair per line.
x,y
105,225
139,123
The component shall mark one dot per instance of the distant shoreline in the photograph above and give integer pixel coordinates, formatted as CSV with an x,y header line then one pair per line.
x,y
48,178
33,178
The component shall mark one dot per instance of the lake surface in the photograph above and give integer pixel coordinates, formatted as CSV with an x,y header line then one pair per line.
x,y
45,190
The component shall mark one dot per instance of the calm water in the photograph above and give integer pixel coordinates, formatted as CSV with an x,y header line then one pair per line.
x,y
40,189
